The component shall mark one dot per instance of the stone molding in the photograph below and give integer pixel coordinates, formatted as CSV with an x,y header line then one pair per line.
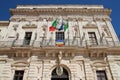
x,y
28,26
71,52
4,23
64,11
52,18
99,64
20,64
90,26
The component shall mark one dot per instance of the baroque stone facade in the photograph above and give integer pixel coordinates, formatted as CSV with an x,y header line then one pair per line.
x,y
88,49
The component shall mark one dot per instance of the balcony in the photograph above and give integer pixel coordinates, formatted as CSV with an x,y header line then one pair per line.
x,y
52,43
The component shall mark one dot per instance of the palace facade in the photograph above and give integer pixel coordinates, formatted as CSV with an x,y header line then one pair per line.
x,y
59,42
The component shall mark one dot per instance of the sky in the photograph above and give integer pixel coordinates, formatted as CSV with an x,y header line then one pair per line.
x,y
5,5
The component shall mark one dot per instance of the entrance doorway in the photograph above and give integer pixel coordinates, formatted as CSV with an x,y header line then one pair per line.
x,y
64,76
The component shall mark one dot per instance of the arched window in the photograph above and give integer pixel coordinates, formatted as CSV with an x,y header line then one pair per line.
x,y
64,76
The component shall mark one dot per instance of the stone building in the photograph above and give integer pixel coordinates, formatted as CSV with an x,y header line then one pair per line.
x,y
59,42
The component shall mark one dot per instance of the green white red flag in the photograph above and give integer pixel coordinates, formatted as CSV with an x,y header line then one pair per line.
x,y
53,27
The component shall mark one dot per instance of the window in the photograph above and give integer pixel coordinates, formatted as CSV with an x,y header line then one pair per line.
x,y
59,38
27,38
18,75
101,75
92,38
59,35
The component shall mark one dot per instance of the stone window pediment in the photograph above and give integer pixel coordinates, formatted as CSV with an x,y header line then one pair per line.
x,y
20,64
99,64
27,26
90,26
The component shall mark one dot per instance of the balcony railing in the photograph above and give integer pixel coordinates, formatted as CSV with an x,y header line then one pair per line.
x,y
66,43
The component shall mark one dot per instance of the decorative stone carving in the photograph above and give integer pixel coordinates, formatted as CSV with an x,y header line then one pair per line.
x,y
106,31
98,19
70,19
102,19
90,25
59,57
38,67
99,65
23,19
13,19
50,19
44,27
76,30
59,70
107,19
97,53
15,27
80,19
27,26
19,52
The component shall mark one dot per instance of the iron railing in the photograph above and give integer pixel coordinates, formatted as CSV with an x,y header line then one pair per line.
x,y
35,43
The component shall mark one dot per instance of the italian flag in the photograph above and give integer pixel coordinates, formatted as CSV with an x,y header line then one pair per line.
x,y
66,26
53,27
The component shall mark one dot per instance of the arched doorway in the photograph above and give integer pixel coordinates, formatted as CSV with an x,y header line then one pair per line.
x,y
64,76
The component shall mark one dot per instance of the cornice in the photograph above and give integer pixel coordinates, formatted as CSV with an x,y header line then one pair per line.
x,y
71,49
61,11
57,6
102,19
4,23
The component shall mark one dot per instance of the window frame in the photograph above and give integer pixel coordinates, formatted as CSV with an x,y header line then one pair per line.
x,y
101,75
19,74
92,38
27,41
60,36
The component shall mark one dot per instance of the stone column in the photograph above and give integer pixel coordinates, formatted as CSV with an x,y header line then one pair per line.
x,y
114,67
88,70
108,74
5,69
111,29
46,70
80,32
99,31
